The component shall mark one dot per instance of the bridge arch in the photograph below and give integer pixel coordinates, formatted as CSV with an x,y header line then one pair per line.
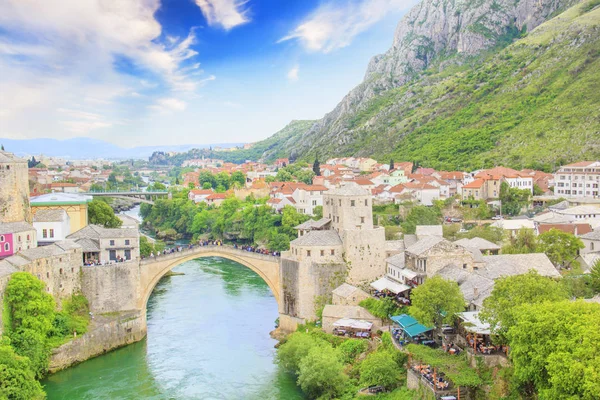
x,y
152,270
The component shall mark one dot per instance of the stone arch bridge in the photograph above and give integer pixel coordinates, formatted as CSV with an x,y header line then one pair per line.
x,y
153,269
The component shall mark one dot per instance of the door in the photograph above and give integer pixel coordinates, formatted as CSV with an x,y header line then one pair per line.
x,y
112,254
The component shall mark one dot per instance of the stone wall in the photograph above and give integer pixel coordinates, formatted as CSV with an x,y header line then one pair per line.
x,y
60,272
14,190
105,334
112,287
365,253
290,287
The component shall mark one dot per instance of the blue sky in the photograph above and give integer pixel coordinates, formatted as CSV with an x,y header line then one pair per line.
x,y
154,72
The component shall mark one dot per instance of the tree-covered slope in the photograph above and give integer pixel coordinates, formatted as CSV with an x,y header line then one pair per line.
x,y
533,103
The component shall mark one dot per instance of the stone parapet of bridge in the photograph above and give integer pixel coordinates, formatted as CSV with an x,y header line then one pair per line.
x,y
153,269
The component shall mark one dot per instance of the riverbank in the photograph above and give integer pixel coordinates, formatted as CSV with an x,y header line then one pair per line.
x,y
207,337
106,332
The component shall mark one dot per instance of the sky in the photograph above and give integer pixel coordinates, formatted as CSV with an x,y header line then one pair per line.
x,y
169,72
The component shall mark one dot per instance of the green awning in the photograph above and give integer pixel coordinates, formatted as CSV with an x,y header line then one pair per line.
x,y
415,330
404,320
410,325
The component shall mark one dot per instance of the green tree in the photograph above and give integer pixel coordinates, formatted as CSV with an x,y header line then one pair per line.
x,y
379,368
350,349
595,276
28,304
296,348
513,291
513,199
381,308
436,301
318,212
30,316
555,349
421,215
561,248
145,246
100,213
391,164
523,242
322,374
17,379
317,167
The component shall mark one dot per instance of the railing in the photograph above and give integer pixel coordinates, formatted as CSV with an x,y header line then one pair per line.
x,y
198,249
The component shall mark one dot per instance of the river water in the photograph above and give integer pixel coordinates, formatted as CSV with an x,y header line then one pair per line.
x,y
208,338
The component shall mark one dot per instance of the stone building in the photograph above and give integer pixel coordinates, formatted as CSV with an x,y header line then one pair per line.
x,y
432,253
75,205
14,189
342,246
348,295
57,265
105,245
51,225
16,236
333,313
350,210
316,260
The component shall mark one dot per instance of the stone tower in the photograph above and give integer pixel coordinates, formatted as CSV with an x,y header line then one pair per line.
x,y
14,189
350,210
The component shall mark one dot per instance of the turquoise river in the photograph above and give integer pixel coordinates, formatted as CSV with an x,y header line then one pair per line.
x,y
208,338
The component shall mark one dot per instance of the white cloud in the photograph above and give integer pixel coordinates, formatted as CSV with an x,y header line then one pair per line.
x,y
333,25
58,55
83,127
292,74
227,13
168,105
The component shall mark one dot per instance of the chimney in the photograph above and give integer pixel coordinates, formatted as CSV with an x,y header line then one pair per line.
x,y
475,292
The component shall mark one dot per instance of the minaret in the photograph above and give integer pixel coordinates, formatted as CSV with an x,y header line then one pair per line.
x,y
14,189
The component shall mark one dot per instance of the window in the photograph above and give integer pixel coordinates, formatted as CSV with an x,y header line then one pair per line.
x,y
112,242
28,237
51,233
352,203
127,242
592,246
60,271
44,233
322,253
464,266
1,238
307,253
362,220
332,252
112,255
19,237
314,202
128,254
6,247
340,202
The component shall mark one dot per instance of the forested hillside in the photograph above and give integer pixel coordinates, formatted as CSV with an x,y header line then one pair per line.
x,y
533,103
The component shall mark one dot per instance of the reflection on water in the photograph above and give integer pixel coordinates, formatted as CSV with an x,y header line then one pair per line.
x,y
208,338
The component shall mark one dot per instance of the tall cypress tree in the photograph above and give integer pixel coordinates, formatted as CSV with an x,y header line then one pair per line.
x,y
317,167
391,164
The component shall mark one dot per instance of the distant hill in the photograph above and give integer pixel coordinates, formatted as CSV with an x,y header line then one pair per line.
x,y
87,148
473,84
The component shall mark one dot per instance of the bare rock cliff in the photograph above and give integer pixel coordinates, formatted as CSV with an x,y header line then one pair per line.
x,y
433,30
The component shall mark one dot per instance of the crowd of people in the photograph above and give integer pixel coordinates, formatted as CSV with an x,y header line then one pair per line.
x,y
202,243
435,379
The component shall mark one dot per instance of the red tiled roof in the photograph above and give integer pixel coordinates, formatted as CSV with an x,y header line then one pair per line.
x,y
476,184
575,229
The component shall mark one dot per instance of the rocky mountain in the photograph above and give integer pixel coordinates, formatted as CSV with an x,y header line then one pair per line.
x,y
445,52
